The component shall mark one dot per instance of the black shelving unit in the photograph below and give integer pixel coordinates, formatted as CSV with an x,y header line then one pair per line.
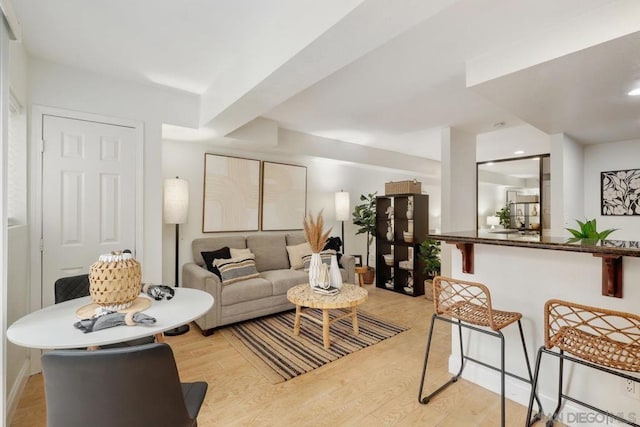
x,y
395,278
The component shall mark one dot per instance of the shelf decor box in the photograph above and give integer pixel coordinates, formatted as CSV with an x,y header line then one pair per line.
x,y
402,187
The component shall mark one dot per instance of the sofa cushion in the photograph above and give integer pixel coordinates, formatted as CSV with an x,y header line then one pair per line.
x,y
325,256
207,244
295,238
209,257
246,290
234,270
270,251
334,243
239,253
283,280
296,252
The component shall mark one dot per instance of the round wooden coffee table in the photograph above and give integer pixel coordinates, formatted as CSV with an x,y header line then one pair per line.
x,y
304,297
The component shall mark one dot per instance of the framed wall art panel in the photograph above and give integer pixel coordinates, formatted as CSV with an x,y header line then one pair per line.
x,y
231,200
284,196
620,192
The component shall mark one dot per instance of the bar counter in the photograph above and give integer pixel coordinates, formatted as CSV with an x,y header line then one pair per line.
x,y
525,240
611,251
523,272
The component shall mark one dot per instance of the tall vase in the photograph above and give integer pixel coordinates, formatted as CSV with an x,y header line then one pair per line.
x,y
334,272
389,234
314,270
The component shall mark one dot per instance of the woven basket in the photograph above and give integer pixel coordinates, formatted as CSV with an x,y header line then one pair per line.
x,y
115,281
402,187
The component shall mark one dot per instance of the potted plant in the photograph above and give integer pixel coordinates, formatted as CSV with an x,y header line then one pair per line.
x,y
588,231
364,216
429,253
505,216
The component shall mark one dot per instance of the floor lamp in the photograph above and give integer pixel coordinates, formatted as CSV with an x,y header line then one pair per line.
x,y
342,210
175,210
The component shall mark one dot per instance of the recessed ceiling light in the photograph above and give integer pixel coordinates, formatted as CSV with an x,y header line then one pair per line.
x,y
498,125
519,152
634,92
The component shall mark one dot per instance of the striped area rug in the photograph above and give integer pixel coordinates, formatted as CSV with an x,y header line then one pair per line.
x,y
269,344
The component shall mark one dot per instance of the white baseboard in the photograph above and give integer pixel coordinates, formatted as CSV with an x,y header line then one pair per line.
x,y
517,391
16,390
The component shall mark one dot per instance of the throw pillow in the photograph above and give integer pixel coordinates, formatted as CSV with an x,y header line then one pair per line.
x,y
325,256
209,257
239,253
334,243
296,252
236,269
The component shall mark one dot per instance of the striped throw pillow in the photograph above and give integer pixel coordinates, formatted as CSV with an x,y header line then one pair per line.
x,y
325,256
236,269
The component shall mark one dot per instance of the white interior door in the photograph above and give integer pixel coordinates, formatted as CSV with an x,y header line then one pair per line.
x,y
88,195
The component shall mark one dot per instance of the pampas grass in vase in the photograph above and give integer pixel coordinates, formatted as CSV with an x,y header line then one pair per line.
x,y
313,230
314,233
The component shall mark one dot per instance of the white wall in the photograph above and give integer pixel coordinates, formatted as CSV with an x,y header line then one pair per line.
x,y
610,157
324,178
59,86
18,246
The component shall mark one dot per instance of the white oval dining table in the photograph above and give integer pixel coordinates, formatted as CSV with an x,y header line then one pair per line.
x,y
52,327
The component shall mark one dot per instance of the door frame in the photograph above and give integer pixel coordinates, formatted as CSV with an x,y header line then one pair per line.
x,y
38,112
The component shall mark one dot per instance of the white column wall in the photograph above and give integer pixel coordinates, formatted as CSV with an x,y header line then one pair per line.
x,y
567,187
458,185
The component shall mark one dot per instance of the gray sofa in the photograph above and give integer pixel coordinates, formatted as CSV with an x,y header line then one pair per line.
x,y
254,297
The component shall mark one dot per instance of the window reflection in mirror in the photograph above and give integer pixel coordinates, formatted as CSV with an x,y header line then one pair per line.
x,y
513,195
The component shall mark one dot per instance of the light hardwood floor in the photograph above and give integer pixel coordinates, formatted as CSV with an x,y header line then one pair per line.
x,y
376,386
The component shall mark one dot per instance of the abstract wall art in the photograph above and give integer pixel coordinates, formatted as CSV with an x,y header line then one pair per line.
x,y
620,192
231,200
284,196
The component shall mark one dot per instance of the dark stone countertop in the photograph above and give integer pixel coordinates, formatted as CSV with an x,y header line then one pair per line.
x,y
524,240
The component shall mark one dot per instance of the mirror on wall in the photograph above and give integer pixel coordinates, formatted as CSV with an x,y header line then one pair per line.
x,y
513,195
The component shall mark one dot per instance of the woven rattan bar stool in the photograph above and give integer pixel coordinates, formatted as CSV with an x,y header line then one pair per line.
x,y
598,338
468,305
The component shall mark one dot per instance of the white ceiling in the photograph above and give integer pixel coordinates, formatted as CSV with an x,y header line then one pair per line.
x,y
385,74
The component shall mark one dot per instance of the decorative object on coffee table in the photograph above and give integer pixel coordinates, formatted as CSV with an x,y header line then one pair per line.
x,y
334,272
350,297
313,231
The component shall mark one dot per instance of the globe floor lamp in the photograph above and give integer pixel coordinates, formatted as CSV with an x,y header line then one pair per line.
x,y
342,210
175,211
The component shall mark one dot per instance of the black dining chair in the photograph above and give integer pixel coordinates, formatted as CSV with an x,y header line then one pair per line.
x,y
123,387
72,287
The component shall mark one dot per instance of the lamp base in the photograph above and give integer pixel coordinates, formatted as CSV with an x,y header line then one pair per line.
x,y
177,331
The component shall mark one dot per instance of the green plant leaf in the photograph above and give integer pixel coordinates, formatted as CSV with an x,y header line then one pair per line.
x,y
588,232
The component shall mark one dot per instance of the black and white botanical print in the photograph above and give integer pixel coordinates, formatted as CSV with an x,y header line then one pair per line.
x,y
620,192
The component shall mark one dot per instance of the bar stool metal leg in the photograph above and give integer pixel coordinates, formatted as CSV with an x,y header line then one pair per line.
x,y
534,385
502,382
560,381
453,379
